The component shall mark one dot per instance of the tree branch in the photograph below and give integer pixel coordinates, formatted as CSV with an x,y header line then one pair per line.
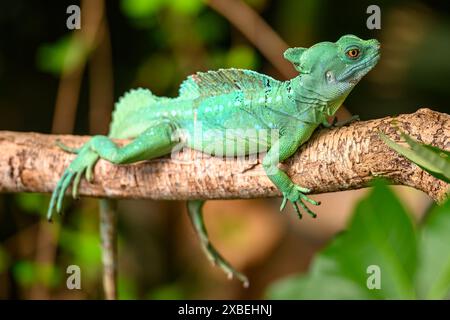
x,y
333,160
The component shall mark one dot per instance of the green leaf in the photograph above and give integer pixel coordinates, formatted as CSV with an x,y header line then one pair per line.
x,y
442,153
381,233
433,275
431,159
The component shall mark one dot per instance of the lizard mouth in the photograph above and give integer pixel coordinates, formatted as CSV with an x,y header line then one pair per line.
x,y
365,65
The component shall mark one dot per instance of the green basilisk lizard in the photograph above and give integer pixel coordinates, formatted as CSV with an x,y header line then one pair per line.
x,y
222,102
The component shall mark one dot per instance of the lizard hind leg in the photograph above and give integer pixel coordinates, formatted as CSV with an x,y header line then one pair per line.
x,y
196,216
157,140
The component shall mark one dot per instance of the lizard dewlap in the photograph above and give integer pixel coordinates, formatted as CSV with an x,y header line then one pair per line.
x,y
227,104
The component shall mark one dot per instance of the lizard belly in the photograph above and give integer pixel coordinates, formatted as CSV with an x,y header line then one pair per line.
x,y
224,129
238,142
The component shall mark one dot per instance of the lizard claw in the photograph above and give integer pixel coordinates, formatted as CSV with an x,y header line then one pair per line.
x,y
84,161
296,196
283,203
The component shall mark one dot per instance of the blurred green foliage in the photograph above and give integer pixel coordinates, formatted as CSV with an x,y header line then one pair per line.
x,y
28,273
172,291
413,263
242,57
433,270
126,287
68,52
84,248
32,203
141,8
138,9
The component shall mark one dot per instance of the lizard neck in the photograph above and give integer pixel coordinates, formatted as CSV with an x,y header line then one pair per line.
x,y
309,91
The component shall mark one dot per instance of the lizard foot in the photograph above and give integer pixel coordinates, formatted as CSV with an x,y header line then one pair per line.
x,y
84,162
296,195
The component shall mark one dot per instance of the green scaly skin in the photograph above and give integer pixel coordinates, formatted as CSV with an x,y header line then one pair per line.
x,y
224,104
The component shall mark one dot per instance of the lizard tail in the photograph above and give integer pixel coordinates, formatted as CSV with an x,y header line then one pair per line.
x,y
196,216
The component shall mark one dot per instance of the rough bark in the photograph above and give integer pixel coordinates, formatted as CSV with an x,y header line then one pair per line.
x,y
334,159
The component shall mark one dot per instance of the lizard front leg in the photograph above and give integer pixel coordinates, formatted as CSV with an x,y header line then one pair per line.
x,y
282,149
154,142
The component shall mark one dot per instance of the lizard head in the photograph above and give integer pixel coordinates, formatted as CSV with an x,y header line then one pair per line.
x,y
334,68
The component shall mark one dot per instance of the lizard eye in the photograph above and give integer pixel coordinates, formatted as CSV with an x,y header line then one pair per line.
x,y
353,53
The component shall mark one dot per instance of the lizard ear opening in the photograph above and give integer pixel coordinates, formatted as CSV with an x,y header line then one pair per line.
x,y
294,55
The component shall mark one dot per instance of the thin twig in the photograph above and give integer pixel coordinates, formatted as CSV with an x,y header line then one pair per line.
x,y
108,234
